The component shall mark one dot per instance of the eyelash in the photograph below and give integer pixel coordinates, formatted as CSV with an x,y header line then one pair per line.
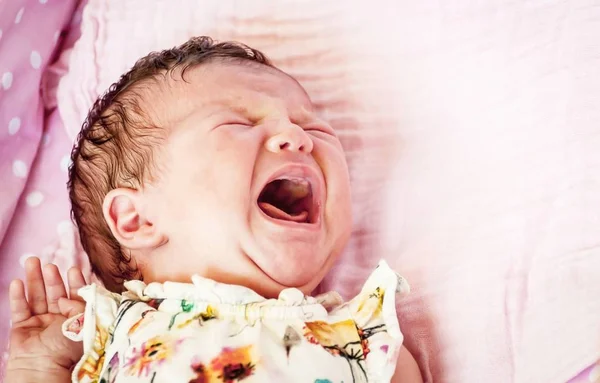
x,y
325,131
245,123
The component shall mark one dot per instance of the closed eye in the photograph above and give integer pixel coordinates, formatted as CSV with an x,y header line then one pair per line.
x,y
244,123
322,129
232,126
229,119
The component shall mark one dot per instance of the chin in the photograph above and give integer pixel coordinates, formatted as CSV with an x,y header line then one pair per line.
x,y
299,268
297,277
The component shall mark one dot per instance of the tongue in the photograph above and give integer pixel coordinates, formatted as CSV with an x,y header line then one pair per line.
x,y
276,213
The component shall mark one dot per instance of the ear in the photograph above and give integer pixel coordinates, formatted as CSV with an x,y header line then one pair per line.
x,y
124,214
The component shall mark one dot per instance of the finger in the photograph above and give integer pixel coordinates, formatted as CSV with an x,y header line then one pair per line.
x,y
19,308
70,307
36,291
76,281
55,287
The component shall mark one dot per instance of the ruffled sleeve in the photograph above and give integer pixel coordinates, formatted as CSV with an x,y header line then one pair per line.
x,y
94,328
374,312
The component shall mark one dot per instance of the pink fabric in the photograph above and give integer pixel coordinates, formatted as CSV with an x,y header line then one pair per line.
x,y
34,212
589,375
471,130
26,45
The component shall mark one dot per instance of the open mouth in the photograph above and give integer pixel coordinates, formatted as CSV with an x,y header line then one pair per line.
x,y
289,199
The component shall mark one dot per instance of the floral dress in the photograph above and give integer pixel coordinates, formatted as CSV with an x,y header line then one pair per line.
x,y
208,332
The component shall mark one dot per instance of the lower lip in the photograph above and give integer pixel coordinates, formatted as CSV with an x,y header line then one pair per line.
x,y
291,224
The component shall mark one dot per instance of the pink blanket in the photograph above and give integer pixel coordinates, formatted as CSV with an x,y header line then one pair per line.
x,y
472,132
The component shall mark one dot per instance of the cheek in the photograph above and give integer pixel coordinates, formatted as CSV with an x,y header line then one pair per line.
x,y
332,160
213,178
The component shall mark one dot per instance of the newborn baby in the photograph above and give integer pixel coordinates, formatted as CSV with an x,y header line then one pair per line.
x,y
211,200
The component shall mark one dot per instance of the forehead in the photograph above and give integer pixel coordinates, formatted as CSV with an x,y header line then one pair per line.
x,y
253,89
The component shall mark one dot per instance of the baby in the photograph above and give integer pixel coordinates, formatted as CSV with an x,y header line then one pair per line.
x,y
211,200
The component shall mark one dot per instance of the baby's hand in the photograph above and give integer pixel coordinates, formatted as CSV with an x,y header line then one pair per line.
x,y
38,350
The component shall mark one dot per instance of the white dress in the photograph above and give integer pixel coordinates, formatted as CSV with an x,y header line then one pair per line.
x,y
207,331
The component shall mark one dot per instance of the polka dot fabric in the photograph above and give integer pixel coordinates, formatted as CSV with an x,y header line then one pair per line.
x,y
460,68
33,143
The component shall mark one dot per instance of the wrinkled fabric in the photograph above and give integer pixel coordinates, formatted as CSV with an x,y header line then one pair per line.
x,y
207,331
471,130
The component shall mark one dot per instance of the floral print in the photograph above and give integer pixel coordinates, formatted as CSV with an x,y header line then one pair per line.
x,y
343,339
231,365
200,372
76,325
110,375
181,337
146,318
291,338
200,318
93,364
186,307
152,353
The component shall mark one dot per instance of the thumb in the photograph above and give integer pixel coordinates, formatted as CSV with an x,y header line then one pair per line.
x,y
70,307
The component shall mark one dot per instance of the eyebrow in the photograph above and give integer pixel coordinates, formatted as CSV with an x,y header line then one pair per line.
x,y
298,116
240,109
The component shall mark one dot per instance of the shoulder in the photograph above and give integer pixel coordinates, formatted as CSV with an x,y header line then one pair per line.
x,y
407,370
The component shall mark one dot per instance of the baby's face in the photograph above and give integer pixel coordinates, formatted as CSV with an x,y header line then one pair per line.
x,y
253,187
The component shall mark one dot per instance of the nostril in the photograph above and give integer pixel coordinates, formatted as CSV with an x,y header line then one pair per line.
x,y
284,146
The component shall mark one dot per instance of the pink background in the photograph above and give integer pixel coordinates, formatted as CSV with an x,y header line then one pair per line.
x,y
472,131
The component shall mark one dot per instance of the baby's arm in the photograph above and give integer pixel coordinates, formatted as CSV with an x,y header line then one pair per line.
x,y
407,370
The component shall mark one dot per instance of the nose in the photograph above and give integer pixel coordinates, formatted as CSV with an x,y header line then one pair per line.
x,y
289,138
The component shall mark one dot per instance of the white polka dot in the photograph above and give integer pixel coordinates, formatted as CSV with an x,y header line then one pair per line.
x,y
594,375
43,1
24,257
14,125
20,169
35,198
35,59
56,36
45,139
64,227
7,78
19,15
0,33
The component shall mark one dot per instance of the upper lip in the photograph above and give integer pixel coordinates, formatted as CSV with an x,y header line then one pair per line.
x,y
302,171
